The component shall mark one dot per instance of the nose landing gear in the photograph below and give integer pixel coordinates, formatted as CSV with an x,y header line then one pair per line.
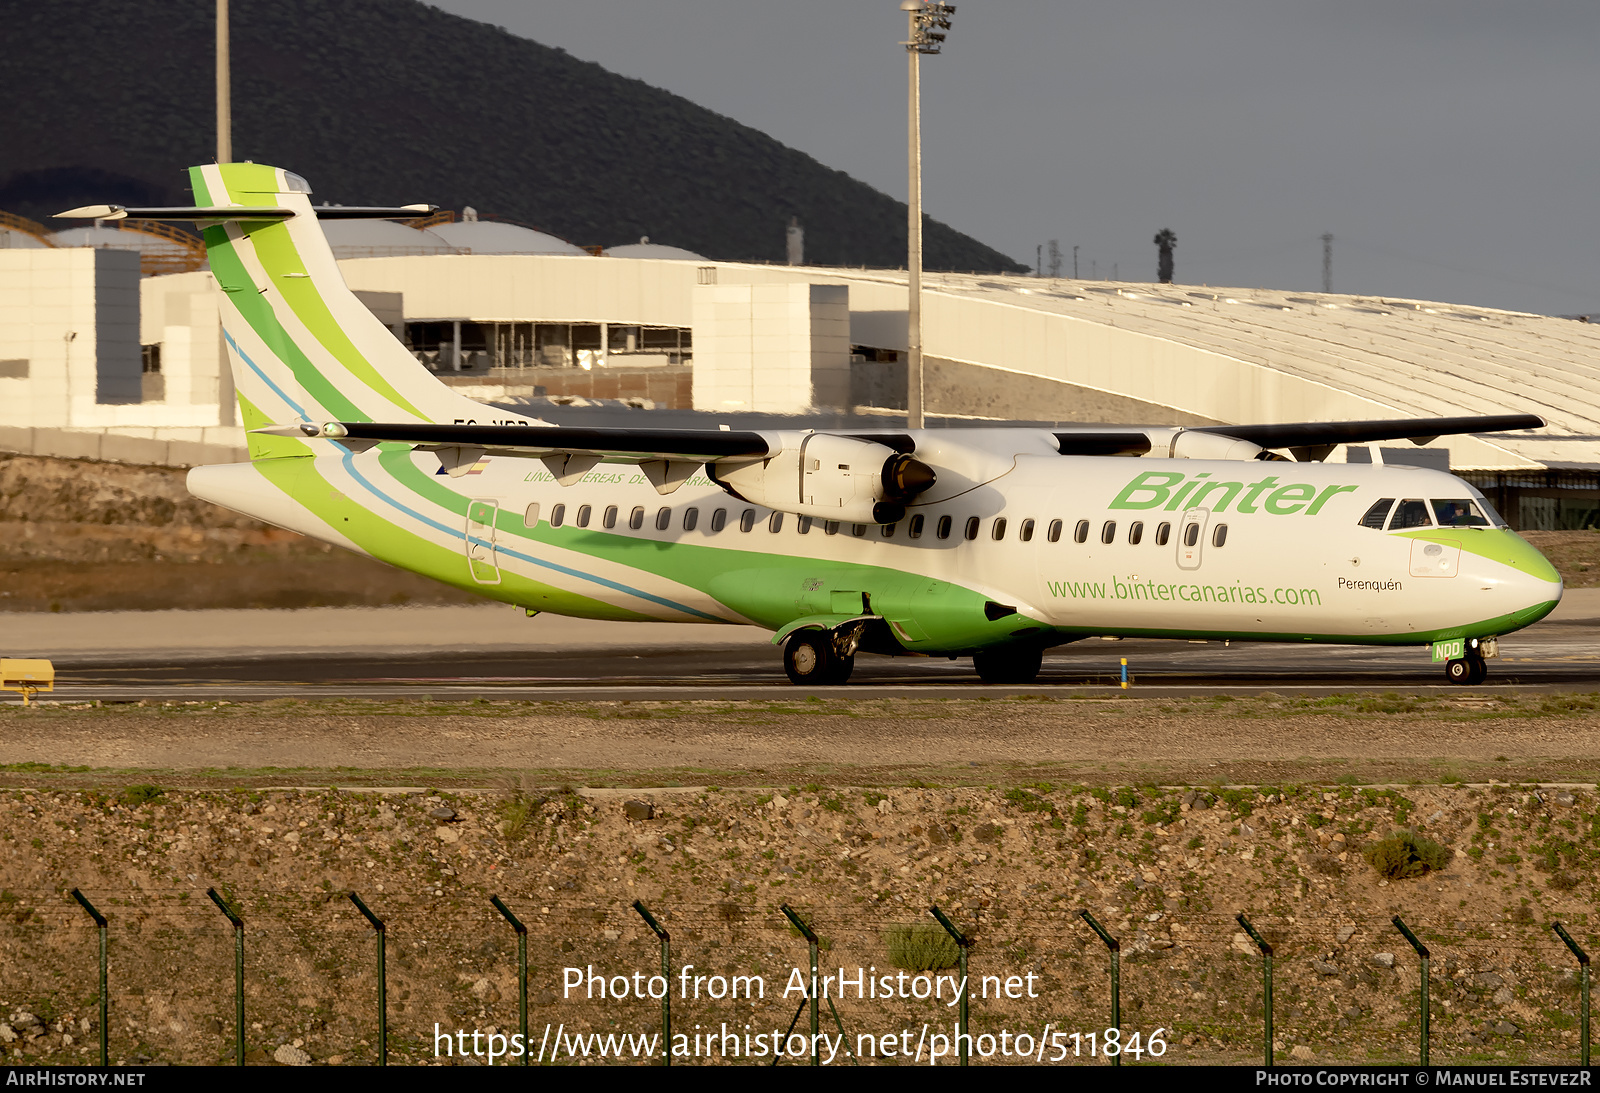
x,y
1469,670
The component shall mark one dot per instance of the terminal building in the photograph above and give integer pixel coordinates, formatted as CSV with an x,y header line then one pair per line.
x,y
109,351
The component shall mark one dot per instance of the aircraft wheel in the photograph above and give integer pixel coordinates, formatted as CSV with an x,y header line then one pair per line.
x,y
1009,665
809,660
1480,670
1466,670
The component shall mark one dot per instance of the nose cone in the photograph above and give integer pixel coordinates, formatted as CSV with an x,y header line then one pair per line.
x,y
1528,587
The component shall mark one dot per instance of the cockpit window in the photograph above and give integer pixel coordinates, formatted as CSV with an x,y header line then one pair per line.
x,y
1378,513
1459,512
1411,514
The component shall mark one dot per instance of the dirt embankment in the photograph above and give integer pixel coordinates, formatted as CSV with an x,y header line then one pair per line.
x,y
78,535
1163,869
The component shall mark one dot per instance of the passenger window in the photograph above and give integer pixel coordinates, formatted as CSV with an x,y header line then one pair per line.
x,y
803,525
830,527
775,522
609,519
719,519
558,514
1410,513
1054,534
1377,514
998,531
663,519
858,530
1219,535
1163,533
888,531
636,517
1458,512
531,517
1108,531
914,529
971,530
943,528
1025,532
1080,534
691,517
747,519
1191,535
1135,532
583,516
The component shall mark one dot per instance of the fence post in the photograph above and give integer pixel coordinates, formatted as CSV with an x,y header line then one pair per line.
x,y
1583,987
1266,981
1422,951
383,985
238,974
963,1033
522,971
811,991
100,924
666,975
1116,976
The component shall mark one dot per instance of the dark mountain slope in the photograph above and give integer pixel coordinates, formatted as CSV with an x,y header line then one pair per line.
x,y
379,101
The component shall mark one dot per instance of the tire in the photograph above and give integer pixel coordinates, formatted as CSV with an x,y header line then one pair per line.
x,y
1480,670
809,660
1459,671
1009,665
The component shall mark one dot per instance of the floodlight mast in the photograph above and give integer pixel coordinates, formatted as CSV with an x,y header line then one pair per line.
x,y
926,23
224,88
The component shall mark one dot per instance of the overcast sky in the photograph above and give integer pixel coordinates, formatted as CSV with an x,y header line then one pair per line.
x,y
1448,145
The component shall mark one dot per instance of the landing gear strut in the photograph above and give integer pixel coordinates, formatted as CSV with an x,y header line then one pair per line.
x,y
1469,670
813,658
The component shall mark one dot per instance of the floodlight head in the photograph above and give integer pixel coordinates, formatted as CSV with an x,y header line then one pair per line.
x,y
911,5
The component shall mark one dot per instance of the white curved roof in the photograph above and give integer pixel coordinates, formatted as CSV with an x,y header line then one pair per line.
x,y
15,240
653,250
115,239
496,237
381,239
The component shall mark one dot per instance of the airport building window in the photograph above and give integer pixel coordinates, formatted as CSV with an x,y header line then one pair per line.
x,y
583,516
531,517
1135,532
971,530
1025,532
914,528
830,527
1219,535
691,517
803,525
609,520
558,514
943,528
775,522
1080,534
636,517
1054,533
1108,531
998,531
663,519
1377,514
719,519
1163,533
1410,514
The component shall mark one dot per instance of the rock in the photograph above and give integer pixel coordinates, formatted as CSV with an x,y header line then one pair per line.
x,y
1243,944
1565,798
289,1055
1345,934
7,1033
1506,1028
24,1020
448,835
779,802
1322,967
884,807
639,810
255,1056
443,814
1504,997
1383,960
988,833
482,986
292,838
1301,1051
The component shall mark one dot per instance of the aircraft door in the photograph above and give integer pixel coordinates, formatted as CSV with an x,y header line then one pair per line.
x,y
482,560
1192,537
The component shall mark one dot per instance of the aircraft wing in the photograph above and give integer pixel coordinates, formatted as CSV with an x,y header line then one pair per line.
x,y
1422,430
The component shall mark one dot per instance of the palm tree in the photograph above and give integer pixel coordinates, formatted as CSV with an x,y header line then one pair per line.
x,y
1164,240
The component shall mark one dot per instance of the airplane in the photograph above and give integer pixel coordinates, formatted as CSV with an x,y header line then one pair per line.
x,y
989,543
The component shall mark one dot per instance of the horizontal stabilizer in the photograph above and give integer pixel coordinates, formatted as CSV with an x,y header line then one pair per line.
x,y
244,212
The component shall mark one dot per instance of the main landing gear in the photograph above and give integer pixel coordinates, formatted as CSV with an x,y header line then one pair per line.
x,y
1469,670
815,658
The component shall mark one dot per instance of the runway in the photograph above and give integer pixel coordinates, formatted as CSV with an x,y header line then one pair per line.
x,y
465,653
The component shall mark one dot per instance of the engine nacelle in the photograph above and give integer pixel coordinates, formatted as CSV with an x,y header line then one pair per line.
x,y
1193,444
830,477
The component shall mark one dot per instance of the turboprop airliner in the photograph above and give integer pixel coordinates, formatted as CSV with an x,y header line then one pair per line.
x,y
989,543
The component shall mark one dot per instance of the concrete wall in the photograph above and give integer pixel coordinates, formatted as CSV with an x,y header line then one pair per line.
x,y
776,348
148,447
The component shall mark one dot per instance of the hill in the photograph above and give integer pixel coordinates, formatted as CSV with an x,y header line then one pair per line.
x,y
389,101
